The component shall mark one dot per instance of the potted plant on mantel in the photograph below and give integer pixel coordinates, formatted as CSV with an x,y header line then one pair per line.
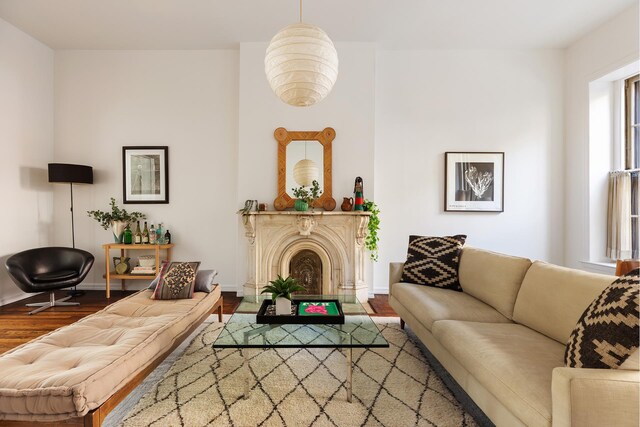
x,y
306,196
280,290
117,219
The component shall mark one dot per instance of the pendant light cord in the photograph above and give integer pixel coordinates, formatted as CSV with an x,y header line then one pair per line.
x,y
301,11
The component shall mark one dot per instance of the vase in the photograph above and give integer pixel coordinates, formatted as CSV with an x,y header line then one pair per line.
x,y
118,230
347,204
301,205
283,307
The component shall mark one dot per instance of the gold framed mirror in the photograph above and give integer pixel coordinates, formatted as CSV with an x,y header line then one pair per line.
x,y
294,146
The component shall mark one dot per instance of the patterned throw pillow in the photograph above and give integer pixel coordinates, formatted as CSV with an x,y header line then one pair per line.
x,y
177,281
433,261
609,329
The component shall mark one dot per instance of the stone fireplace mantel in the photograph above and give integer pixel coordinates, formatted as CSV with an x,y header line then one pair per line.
x,y
275,237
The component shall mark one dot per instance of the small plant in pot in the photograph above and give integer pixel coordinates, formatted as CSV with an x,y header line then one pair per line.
x,y
117,219
280,290
306,196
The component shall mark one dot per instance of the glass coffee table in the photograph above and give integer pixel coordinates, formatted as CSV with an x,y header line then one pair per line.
x,y
242,332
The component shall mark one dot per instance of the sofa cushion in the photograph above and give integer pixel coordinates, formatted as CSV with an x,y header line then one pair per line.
x,y
431,304
433,261
608,331
492,277
513,362
552,298
74,369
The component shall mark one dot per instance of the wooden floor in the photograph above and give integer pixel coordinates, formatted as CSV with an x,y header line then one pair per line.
x,y
16,327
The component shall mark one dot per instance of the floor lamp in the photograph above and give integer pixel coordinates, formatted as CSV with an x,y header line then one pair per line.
x,y
72,174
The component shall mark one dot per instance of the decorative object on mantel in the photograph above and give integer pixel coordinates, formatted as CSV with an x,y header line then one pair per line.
x,y
358,193
145,174
305,197
280,290
301,64
474,182
372,239
347,204
117,219
287,140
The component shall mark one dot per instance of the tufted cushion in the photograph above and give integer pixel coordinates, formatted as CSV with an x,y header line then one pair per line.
x,y
74,369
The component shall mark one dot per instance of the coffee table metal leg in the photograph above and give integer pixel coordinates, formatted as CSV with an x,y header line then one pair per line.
x,y
349,374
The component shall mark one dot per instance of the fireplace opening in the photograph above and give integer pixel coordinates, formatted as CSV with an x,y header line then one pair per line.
x,y
306,267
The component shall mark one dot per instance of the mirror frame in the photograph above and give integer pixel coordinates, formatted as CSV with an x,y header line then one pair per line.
x,y
284,137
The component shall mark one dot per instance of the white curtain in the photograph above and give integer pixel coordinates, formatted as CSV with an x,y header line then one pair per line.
x,y
619,216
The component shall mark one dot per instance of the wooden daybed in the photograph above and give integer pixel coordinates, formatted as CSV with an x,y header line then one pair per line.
x,y
77,374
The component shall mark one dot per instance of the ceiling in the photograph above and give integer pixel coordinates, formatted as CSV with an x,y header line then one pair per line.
x,y
395,24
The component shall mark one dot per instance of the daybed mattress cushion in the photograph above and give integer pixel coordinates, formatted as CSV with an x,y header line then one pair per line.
x,y
429,304
74,369
513,362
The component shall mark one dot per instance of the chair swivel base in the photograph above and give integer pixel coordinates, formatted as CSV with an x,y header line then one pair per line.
x,y
52,303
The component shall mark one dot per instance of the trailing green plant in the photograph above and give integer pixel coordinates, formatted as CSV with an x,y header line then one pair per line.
x,y
106,218
310,194
282,288
372,239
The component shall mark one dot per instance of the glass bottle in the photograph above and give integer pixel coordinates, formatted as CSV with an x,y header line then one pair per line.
x,y
152,235
127,238
159,235
167,237
145,234
137,238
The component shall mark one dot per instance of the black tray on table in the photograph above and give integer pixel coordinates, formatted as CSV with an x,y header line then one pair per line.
x,y
332,306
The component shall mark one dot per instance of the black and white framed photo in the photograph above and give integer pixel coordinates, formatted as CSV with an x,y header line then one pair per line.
x,y
474,182
145,174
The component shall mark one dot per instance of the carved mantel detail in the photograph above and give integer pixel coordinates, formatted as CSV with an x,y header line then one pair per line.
x,y
305,224
276,237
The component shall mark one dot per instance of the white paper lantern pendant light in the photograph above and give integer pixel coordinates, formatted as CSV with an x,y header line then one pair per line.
x,y
301,64
305,171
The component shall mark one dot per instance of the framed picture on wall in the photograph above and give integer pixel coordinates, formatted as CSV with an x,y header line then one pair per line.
x,y
474,182
145,174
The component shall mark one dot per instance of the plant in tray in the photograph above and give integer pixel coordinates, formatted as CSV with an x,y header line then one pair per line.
x,y
280,290
117,219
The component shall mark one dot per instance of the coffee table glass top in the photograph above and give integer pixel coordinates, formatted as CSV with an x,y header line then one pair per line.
x,y
242,331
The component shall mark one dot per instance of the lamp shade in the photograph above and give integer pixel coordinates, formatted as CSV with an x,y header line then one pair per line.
x,y
301,64
64,172
305,172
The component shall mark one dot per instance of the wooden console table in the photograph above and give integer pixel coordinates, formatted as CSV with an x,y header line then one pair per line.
x,y
123,250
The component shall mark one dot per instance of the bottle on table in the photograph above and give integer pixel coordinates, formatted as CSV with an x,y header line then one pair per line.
x,y
137,238
167,237
127,238
152,235
159,235
145,234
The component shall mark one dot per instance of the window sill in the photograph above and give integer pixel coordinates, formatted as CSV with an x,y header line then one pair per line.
x,y
600,267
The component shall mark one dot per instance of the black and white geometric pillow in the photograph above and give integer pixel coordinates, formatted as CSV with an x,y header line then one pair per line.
x,y
433,261
609,330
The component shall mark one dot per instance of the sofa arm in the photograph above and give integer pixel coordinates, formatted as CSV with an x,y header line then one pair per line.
x,y
395,273
595,397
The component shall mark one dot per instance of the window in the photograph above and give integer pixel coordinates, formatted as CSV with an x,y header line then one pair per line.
x,y
632,153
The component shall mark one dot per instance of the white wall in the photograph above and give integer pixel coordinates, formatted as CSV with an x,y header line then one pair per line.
x,y
430,102
186,100
349,109
26,144
611,47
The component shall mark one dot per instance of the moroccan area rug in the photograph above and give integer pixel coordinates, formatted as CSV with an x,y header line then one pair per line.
x,y
392,387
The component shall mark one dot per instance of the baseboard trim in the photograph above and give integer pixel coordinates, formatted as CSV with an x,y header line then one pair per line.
x,y
7,301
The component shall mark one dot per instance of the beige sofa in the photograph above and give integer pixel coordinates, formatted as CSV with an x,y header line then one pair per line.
x,y
78,373
503,341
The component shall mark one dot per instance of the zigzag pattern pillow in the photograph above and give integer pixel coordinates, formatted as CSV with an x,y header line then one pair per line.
x,y
433,261
608,331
